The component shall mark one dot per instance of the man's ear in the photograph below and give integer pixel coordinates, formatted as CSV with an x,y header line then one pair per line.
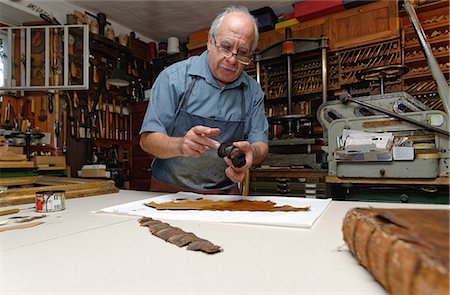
x,y
209,43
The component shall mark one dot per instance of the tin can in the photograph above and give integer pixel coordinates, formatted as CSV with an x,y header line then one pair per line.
x,y
50,201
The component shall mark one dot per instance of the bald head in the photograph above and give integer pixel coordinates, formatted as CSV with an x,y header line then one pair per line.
x,y
236,18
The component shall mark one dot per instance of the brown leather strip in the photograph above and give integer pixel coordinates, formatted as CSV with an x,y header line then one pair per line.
x,y
20,226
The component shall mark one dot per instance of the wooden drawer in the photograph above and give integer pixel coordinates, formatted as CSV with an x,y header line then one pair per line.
x,y
141,167
140,184
311,29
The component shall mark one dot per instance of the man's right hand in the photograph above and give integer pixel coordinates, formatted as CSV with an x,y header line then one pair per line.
x,y
196,142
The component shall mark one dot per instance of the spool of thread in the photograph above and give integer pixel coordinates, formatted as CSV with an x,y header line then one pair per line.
x,y
151,50
162,48
101,19
93,27
173,45
110,33
287,47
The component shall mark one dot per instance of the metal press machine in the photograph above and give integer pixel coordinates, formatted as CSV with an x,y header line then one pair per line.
x,y
427,131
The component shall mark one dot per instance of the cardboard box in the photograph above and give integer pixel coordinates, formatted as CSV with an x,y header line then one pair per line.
x,y
198,36
266,18
311,9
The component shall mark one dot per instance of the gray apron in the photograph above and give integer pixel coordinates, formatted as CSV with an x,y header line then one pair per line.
x,y
208,171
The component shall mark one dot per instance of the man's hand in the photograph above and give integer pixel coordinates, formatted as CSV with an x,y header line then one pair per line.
x,y
196,142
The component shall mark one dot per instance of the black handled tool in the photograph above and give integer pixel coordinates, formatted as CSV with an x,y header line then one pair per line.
x,y
237,156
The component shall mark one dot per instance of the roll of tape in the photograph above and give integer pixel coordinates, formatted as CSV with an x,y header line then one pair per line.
x,y
173,45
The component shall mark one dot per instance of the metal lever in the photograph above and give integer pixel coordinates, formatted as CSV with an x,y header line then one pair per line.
x,y
345,98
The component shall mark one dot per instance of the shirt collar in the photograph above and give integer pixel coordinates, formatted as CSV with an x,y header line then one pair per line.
x,y
200,68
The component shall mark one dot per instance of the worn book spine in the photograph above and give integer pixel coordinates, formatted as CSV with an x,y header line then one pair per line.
x,y
396,262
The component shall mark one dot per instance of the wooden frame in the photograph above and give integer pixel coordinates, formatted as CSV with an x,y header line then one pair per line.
x,y
73,187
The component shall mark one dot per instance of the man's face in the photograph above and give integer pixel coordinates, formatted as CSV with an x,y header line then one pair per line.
x,y
236,34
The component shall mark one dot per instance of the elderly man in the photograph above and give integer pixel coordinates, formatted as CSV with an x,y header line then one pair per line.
x,y
201,102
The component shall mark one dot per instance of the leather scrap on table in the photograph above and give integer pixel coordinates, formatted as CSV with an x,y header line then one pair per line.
x,y
238,205
20,226
179,237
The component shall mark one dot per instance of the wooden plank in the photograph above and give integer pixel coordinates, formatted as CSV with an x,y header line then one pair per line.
x,y
51,168
424,181
73,187
50,160
16,164
18,180
10,211
20,226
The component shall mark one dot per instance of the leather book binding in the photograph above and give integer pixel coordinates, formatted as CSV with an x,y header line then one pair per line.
x,y
405,250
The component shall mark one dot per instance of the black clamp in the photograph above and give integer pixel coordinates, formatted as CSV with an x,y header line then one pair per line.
x,y
237,156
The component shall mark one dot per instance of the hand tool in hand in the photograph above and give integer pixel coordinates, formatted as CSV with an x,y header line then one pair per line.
x,y
237,156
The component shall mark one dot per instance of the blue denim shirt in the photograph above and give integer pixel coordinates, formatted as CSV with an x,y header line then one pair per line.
x,y
207,99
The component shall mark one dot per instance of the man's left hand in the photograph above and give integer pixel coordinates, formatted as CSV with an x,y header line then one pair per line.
x,y
237,174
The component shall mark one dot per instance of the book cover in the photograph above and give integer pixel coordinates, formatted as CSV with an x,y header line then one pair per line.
x,y
405,250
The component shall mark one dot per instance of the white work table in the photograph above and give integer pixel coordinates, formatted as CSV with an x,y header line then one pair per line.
x,y
77,251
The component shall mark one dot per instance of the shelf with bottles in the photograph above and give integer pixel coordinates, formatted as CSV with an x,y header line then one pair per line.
x,y
355,60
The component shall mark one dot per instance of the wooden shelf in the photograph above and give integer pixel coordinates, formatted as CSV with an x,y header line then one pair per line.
x,y
422,75
16,164
13,181
433,41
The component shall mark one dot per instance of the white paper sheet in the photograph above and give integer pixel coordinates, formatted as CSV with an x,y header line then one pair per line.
x,y
303,219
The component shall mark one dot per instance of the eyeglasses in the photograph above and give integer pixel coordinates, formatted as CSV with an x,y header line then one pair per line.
x,y
243,59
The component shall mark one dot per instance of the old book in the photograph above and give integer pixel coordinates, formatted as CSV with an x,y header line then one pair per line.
x,y
406,250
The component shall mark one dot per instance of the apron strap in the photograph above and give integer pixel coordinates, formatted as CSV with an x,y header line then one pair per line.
x,y
185,100
187,94
183,103
243,104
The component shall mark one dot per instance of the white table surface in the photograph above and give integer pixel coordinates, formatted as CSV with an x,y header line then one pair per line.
x,y
80,252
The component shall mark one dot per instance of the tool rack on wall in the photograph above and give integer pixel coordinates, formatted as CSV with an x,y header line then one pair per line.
x,y
354,61
293,74
100,119
435,22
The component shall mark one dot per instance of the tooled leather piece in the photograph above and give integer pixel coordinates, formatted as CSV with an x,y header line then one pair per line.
x,y
203,245
177,236
406,250
239,205
182,239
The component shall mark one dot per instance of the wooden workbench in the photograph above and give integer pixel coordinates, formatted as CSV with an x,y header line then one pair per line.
x,y
80,252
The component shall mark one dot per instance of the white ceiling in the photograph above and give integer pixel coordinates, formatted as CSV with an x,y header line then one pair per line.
x,y
153,19
159,19
10,15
